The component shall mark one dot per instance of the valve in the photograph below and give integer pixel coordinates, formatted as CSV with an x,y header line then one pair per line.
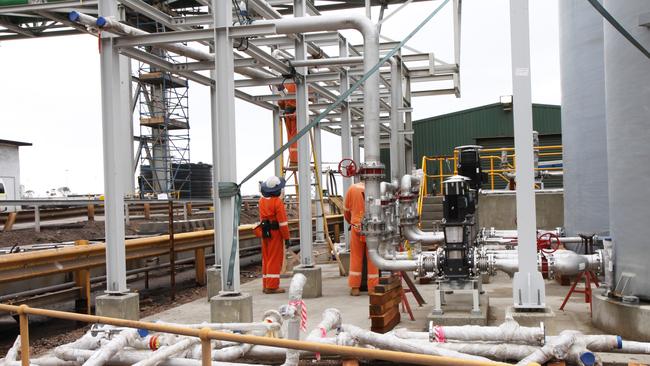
x,y
348,168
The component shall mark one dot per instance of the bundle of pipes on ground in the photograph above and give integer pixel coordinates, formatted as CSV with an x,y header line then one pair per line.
x,y
508,342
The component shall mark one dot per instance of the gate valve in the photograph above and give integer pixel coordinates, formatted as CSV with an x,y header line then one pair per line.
x,y
348,168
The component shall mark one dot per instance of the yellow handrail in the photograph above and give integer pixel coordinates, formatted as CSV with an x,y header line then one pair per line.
x,y
507,167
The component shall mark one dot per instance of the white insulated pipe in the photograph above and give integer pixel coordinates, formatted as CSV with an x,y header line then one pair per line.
x,y
167,352
112,348
390,342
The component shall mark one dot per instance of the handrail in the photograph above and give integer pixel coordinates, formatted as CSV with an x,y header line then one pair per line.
x,y
206,335
494,170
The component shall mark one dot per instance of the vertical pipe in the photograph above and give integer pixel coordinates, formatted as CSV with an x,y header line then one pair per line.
x,y
172,250
214,109
346,133
401,137
277,142
408,127
37,219
23,323
356,153
126,124
304,173
528,284
113,155
394,119
318,161
127,216
223,145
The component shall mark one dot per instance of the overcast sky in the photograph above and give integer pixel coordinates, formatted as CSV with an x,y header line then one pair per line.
x,y
50,94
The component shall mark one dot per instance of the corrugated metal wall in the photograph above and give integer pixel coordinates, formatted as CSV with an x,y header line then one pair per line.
x,y
439,135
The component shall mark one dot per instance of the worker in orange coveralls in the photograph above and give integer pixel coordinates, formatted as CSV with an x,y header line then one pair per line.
x,y
354,211
274,230
288,107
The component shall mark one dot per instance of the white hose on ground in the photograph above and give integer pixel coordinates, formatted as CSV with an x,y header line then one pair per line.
x,y
242,327
558,347
166,352
390,342
508,332
331,319
293,323
494,351
117,344
130,357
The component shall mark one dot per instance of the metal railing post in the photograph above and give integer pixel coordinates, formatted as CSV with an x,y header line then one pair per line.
x,y
23,322
206,347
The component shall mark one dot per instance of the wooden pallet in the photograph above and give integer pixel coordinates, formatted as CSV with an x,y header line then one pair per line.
x,y
384,304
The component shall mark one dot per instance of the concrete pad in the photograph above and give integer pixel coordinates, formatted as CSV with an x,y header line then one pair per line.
x,y
213,282
123,306
458,311
629,321
531,318
314,285
231,308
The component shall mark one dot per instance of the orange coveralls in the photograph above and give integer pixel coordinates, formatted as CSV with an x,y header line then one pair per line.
x,y
289,105
272,209
354,211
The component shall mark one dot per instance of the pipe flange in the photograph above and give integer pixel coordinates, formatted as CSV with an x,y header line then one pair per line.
x,y
372,171
373,228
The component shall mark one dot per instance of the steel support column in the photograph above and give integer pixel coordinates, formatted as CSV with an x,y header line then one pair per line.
x,y
126,125
346,135
114,156
304,153
528,285
223,145
214,110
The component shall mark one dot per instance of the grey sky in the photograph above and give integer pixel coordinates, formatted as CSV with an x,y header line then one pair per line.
x,y
50,92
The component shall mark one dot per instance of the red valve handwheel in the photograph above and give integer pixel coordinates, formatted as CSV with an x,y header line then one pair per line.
x,y
347,168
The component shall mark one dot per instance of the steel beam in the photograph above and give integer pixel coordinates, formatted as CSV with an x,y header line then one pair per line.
x,y
277,142
528,290
49,6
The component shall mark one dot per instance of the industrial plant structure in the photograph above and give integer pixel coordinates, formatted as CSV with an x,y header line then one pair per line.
x,y
362,93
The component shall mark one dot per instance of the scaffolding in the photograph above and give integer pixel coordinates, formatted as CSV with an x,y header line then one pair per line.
x,y
164,125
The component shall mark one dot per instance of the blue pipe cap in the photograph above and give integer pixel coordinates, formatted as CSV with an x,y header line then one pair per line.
x,y
143,332
73,16
588,359
101,21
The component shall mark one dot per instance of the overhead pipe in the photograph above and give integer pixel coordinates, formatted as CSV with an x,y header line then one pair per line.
x,y
334,61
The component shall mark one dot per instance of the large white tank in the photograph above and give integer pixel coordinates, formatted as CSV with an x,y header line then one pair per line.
x,y
627,80
586,204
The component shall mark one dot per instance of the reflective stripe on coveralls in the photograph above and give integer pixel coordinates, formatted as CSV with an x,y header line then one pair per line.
x,y
354,211
272,209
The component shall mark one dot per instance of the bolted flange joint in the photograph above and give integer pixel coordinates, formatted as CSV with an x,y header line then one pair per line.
x,y
372,171
372,227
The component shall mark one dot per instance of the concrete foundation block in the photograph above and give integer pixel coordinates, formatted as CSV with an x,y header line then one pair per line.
x,y
457,311
314,285
213,282
614,317
123,306
231,308
533,318
345,260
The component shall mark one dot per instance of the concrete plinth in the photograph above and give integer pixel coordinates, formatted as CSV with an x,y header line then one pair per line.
x,y
345,260
314,285
533,318
214,281
614,317
457,310
123,306
231,308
